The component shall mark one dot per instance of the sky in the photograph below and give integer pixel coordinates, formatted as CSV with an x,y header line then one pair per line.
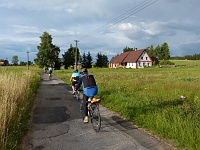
x,y
100,26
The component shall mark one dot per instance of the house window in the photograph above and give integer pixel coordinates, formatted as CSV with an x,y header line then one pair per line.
x,y
142,58
146,58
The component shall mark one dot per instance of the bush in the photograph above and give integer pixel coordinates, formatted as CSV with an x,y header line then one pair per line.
x,y
166,62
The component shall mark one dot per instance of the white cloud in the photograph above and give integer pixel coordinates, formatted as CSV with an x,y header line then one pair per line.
x,y
174,22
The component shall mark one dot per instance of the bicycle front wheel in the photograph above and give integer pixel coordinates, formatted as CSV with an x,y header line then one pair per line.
x,y
95,117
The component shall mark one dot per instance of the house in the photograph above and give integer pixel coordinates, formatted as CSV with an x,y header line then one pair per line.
x,y
131,59
1,63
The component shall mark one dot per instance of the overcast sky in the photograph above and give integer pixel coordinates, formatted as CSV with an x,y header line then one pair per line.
x,y
105,26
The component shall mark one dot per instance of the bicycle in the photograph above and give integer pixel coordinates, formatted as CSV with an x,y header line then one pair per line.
x,y
77,95
50,75
93,112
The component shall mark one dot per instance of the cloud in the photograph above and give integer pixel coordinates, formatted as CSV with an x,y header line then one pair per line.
x,y
92,23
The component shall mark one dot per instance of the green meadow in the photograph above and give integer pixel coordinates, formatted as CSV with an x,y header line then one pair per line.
x,y
151,99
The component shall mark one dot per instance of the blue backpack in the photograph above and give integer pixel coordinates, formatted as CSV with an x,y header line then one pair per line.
x,y
89,85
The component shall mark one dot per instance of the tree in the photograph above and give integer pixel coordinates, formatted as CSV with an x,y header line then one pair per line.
x,y
69,56
48,53
127,49
84,61
89,60
165,51
15,60
159,52
102,60
151,51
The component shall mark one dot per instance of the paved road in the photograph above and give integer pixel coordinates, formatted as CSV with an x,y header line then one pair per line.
x,y
57,125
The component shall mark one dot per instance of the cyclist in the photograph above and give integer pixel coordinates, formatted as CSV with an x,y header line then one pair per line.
x,y
50,71
74,79
90,89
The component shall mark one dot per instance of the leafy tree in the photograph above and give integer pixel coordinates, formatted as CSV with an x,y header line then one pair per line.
x,y
15,60
165,51
102,60
127,49
48,53
69,56
22,63
151,51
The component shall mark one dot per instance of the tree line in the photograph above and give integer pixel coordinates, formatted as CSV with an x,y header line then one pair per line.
x,y
15,62
187,57
48,55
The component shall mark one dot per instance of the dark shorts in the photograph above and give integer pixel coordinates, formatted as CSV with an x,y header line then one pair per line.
x,y
74,82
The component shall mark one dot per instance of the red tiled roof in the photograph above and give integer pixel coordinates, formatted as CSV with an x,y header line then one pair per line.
x,y
133,56
119,58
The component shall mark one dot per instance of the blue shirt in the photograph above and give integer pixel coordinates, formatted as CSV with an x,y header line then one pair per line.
x,y
88,91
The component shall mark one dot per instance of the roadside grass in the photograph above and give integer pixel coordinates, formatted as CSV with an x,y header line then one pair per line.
x,y
150,98
18,88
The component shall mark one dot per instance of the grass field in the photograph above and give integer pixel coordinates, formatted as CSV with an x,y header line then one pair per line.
x,y
18,88
150,98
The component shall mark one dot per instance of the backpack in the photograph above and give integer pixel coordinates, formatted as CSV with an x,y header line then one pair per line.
x,y
89,85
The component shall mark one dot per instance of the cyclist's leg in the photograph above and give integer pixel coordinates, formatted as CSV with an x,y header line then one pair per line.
x,y
73,87
85,104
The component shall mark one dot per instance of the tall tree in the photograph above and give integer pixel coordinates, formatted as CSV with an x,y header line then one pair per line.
x,y
89,60
151,51
102,60
15,60
84,61
165,51
159,52
48,53
69,57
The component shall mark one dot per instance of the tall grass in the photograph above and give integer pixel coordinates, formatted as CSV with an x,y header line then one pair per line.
x,y
17,91
150,98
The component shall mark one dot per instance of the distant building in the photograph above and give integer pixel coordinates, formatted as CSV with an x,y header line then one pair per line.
x,y
1,63
131,59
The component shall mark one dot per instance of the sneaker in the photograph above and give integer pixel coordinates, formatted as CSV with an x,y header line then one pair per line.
x,y
73,93
85,119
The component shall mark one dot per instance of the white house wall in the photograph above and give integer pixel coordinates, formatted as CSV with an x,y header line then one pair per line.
x,y
143,61
131,65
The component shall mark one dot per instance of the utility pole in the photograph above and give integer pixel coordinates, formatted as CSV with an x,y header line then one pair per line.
x,y
27,59
76,54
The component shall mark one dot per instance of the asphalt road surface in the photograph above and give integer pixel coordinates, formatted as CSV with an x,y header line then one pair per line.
x,y
56,124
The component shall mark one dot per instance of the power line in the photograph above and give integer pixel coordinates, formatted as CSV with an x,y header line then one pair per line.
x,y
120,18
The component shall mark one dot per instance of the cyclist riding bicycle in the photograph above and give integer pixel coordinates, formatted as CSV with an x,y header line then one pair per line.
x,y
90,89
74,79
50,71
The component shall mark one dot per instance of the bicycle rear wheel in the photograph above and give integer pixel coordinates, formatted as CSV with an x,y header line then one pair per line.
x,y
95,117
82,110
